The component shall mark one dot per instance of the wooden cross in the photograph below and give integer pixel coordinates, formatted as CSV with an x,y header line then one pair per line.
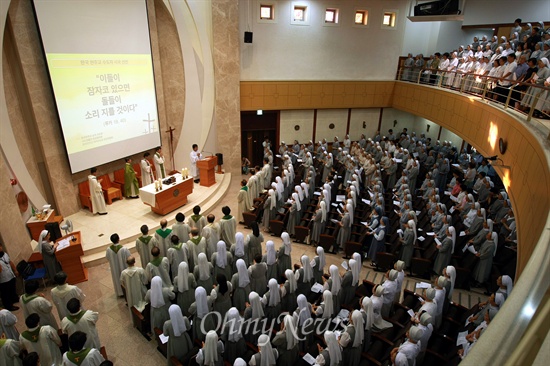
x,y
171,132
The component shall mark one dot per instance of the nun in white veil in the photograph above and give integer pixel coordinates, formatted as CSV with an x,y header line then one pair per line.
x,y
239,250
450,274
407,243
241,286
368,318
203,272
266,356
253,314
303,322
270,258
318,263
232,336
288,291
211,353
334,284
445,251
332,354
184,287
304,276
286,342
272,300
200,309
47,249
350,281
352,339
176,329
319,220
159,297
284,260
222,261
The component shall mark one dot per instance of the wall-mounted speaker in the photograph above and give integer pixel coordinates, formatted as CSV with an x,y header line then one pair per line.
x,y
247,37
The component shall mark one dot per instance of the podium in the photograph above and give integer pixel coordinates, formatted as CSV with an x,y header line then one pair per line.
x,y
70,259
206,170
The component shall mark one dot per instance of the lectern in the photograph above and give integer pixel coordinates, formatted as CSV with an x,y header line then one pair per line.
x,y
70,258
206,170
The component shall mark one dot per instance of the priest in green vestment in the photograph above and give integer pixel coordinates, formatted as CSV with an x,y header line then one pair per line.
x,y
131,186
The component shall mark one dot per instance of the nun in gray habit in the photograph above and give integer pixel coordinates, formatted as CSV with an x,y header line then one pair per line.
x,y
47,249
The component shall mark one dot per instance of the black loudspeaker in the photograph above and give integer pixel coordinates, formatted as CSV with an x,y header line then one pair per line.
x,y
220,158
247,37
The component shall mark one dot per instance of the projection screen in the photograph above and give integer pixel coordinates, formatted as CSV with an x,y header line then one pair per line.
x,y
98,54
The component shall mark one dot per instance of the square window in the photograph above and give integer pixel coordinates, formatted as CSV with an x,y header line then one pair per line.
x,y
361,17
389,19
266,12
331,16
300,13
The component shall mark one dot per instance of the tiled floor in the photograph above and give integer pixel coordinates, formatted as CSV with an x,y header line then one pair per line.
x,y
126,346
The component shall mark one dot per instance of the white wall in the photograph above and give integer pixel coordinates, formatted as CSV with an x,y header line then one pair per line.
x,y
283,51
289,119
420,37
326,117
505,11
358,116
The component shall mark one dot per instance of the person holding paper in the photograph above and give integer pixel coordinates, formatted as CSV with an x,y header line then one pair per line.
x,y
159,163
195,156
445,251
147,176
318,264
378,241
159,297
319,221
407,243
482,271
96,193
48,249
345,230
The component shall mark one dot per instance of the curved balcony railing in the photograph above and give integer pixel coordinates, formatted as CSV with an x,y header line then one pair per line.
x,y
486,87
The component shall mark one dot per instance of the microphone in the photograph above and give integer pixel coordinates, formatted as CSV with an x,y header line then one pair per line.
x,y
208,152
